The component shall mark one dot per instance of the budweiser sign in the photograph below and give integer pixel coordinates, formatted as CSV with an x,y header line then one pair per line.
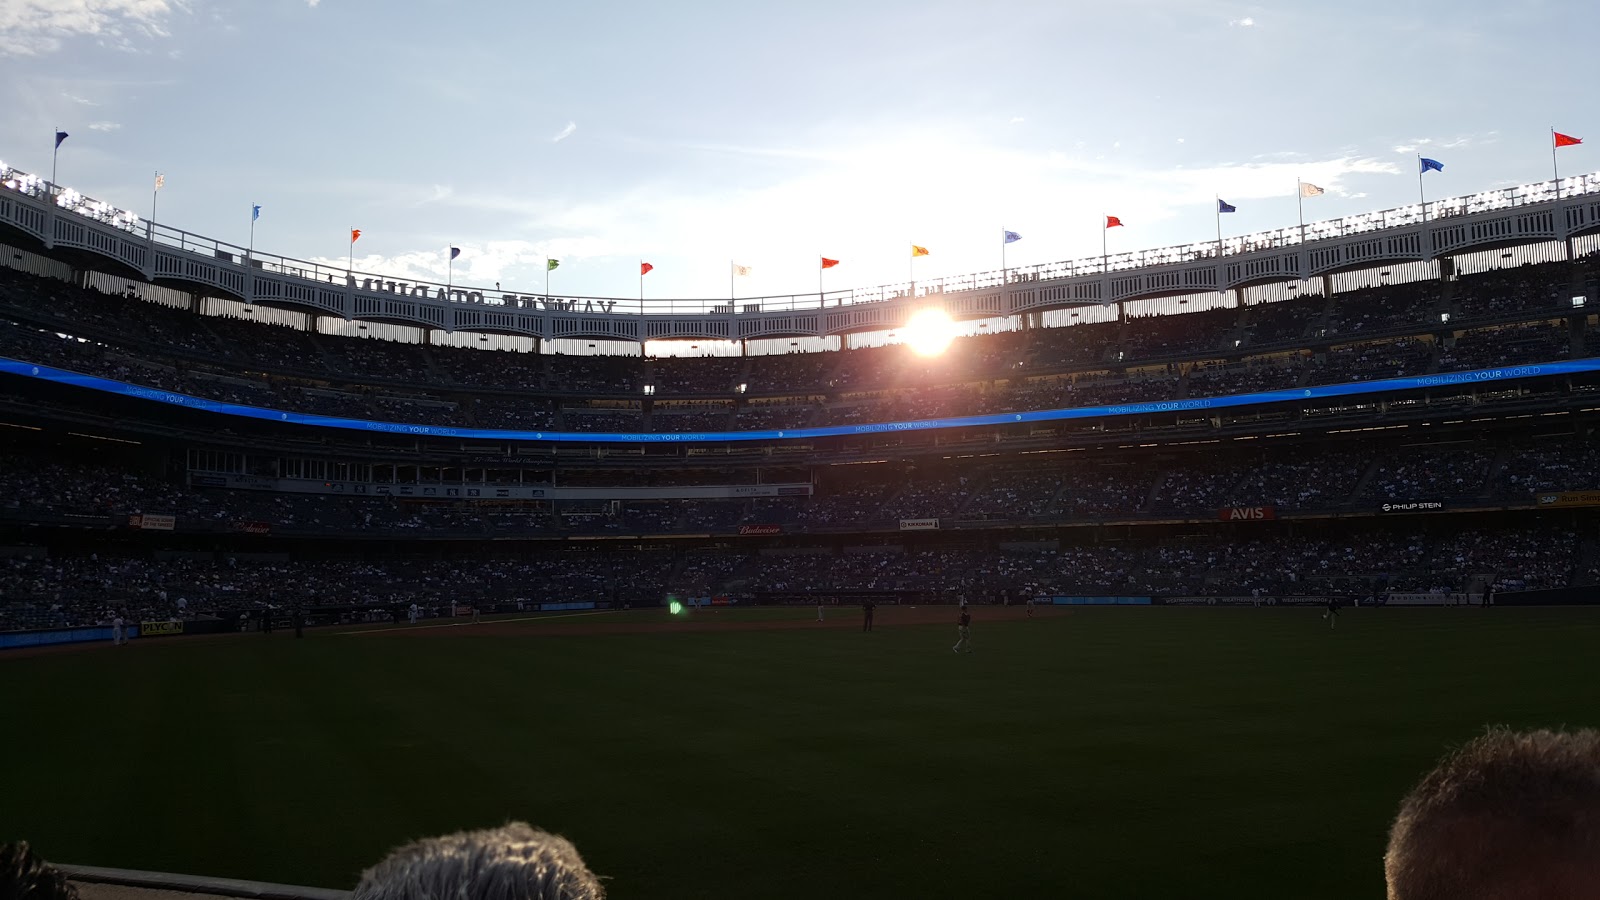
x,y
760,529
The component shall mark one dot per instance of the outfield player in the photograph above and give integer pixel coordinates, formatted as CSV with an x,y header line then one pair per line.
x,y
867,606
1332,615
819,609
1030,606
119,631
964,628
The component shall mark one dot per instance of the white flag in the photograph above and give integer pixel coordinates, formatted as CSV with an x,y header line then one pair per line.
x,y
1307,189
161,181
741,271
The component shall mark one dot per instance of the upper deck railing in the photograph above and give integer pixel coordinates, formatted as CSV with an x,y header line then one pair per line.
x,y
71,201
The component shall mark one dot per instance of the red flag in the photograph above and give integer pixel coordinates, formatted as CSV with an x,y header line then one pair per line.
x,y
355,235
1113,222
644,268
829,263
1566,140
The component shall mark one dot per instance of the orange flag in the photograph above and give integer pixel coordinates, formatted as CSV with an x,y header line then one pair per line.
x,y
829,263
355,235
918,251
1113,222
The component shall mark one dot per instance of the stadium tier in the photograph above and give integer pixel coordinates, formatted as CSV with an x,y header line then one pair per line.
x,y
1380,433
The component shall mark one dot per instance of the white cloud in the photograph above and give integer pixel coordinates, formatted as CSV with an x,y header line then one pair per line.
x,y
79,100
33,27
313,3
861,202
481,264
1246,22
105,126
565,132
1017,120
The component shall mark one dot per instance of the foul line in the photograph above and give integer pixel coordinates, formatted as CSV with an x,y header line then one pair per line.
x,y
603,612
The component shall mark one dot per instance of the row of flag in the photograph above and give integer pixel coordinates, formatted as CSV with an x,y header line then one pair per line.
x,y
1306,190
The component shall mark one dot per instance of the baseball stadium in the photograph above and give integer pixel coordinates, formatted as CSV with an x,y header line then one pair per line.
x,y
1157,572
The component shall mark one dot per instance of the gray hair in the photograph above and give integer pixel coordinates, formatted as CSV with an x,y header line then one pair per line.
x,y
513,862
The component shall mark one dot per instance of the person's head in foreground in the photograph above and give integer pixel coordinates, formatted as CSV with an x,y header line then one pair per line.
x,y
513,862
1509,816
24,875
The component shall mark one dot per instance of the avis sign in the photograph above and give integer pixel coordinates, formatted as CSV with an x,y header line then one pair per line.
x,y
1247,513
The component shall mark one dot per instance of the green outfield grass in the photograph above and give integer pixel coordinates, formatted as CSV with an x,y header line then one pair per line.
x,y
1099,753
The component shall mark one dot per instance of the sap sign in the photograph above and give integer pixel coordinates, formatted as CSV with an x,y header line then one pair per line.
x,y
1247,513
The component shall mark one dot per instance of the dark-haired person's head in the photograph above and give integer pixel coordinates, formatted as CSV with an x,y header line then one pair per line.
x,y
24,875
1509,816
513,862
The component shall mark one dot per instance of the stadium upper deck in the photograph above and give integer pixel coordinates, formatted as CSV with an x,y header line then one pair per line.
x,y
65,224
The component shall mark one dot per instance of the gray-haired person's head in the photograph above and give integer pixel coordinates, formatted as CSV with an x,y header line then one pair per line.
x,y
513,862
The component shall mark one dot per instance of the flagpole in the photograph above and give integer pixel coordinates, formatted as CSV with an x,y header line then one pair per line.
x,y
1422,198
913,267
350,267
641,285
250,252
1004,278
1105,226
1300,203
822,299
547,278
731,297
57,152
1217,210
1555,167
449,272
150,231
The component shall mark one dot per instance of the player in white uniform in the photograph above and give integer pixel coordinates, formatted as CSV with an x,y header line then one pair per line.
x,y
1030,606
819,610
119,631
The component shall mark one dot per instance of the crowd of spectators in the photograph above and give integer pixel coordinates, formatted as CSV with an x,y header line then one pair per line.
x,y
237,360
1512,345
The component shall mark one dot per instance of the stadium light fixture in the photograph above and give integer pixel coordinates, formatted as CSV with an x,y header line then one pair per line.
x,y
1579,300
649,390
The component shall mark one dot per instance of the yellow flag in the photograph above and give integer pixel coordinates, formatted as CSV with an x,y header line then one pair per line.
x,y
918,251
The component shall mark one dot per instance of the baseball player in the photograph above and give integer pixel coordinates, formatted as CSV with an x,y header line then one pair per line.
x,y
119,632
964,628
1030,606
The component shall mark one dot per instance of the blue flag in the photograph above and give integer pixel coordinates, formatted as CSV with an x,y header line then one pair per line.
x,y
1224,206
60,136
255,211
1012,237
455,252
1433,164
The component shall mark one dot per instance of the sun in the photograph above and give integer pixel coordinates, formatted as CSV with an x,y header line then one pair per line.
x,y
929,332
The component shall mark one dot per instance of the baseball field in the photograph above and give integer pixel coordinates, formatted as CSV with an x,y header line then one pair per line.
x,y
1158,752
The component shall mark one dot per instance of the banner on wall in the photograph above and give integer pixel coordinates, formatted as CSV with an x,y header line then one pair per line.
x,y
148,522
1568,498
755,530
919,524
1247,513
157,629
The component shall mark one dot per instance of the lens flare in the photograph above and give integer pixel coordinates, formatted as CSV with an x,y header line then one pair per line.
x,y
929,332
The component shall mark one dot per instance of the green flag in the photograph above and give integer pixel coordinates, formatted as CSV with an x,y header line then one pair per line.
x,y
550,264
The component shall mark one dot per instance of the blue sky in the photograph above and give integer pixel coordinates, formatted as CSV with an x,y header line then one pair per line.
x,y
690,134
